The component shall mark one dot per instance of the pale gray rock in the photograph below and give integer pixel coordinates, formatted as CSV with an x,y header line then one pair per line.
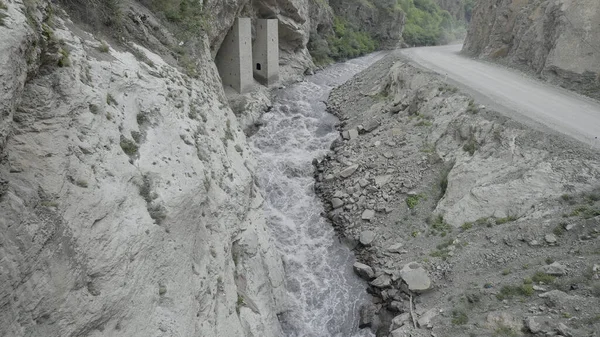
x,y
400,320
424,320
396,248
555,269
337,203
550,238
383,281
368,214
415,276
367,237
367,315
348,171
364,271
552,38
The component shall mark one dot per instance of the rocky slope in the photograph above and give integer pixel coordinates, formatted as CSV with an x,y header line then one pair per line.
x,y
465,222
380,18
128,199
558,40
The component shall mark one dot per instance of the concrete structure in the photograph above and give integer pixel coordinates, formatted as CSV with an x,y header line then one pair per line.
x,y
234,59
265,51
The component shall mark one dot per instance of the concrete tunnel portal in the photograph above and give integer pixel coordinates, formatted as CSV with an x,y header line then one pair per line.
x,y
241,60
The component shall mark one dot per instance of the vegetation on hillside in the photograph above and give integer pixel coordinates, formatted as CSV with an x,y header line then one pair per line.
x,y
347,42
427,24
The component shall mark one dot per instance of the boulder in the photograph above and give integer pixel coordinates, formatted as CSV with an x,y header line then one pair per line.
x,y
337,202
383,281
554,269
368,215
400,320
348,171
415,276
364,271
367,315
367,237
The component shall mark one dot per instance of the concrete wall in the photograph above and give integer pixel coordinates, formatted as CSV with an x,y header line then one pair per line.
x,y
265,52
234,59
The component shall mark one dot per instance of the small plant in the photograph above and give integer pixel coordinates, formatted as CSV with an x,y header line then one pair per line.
x,y
103,47
413,200
559,230
142,118
110,100
94,109
466,226
541,277
158,213
64,60
459,317
424,122
438,224
471,146
471,108
506,272
2,15
549,260
508,291
414,234
240,303
509,218
162,289
129,146
428,148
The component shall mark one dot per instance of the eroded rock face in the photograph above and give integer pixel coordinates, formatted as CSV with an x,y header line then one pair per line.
x,y
556,39
379,18
129,206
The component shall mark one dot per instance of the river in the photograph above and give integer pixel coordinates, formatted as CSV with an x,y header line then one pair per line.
x,y
325,293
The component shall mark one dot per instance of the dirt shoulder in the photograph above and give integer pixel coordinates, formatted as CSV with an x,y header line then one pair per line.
x,y
491,227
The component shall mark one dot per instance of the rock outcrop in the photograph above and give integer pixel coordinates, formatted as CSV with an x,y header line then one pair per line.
x,y
491,210
558,40
128,203
380,18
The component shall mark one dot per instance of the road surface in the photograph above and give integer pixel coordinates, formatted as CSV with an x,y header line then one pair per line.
x,y
517,95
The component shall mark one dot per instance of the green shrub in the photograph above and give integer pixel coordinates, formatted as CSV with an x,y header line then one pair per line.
x,y
541,277
347,41
413,200
459,317
129,146
427,24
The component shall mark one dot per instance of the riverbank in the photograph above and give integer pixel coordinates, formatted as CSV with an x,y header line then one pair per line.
x,y
487,224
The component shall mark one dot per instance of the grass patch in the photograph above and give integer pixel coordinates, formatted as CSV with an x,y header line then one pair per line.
x,y
141,56
103,47
509,218
466,226
472,108
413,200
509,291
585,212
129,146
110,100
64,60
459,317
439,225
541,277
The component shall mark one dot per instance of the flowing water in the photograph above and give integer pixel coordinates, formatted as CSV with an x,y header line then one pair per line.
x,y
325,294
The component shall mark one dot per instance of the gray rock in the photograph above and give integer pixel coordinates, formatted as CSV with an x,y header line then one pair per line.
x,y
396,248
367,238
364,271
368,215
367,315
353,134
400,321
564,330
550,238
415,276
532,324
383,281
554,269
348,171
371,125
337,203
425,320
